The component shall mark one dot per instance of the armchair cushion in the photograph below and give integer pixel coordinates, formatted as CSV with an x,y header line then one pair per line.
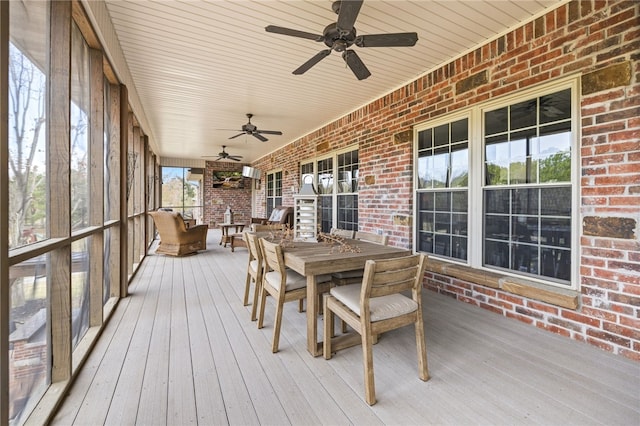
x,y
281,214
175,238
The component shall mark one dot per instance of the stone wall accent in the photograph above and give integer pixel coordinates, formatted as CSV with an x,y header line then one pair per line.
x,y
472,82
587,38
609,227
616,75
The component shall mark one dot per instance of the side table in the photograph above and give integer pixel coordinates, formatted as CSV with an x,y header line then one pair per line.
x,y
226,238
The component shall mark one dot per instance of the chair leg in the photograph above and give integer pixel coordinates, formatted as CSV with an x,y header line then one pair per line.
x,y
247,284
263,300
276,326
423,368
367,357
254,307
328,328
301,305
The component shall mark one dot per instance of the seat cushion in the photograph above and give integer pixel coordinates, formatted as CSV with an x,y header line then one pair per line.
x,y
325,278
294,280
358,273
381,307
254,265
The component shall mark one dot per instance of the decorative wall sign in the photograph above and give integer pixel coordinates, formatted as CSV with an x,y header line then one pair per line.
x,y
228,180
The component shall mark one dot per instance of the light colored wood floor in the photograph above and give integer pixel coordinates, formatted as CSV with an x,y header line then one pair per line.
x,y
182,350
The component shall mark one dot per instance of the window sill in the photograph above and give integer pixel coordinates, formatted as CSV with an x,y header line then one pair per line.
x,y
564,298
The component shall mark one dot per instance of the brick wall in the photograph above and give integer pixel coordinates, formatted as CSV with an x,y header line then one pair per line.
x,y
216,200
600,42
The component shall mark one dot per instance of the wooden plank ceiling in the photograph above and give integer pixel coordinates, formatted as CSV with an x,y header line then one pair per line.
x,y
201,66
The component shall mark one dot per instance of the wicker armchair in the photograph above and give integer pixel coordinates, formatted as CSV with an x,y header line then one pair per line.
x,y
175,238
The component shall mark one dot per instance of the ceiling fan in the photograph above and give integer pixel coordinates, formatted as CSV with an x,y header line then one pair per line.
x,y
224,155
252,130
341,35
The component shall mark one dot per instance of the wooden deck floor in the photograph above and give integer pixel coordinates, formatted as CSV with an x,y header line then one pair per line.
x,y
182,350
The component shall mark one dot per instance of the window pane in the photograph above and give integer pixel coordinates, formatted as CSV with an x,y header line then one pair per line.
x,y
440,168
80,117
459,130
555,107
29,340
441,135
496,121
460,166
523,114
555,232
347,212
497,227
459,201
525,229
556,201
107,153
497,161
525,201
424,139
497,201
28,67
108,273
555,153
525,258
459,224
556,263
496,253
79,289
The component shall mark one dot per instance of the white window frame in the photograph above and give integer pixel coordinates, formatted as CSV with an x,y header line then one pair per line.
x,y
475,115
267,199
334,156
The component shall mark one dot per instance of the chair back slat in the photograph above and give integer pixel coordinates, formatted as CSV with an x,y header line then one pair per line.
x,y
372,238
389,276
255,252
273,256
344,233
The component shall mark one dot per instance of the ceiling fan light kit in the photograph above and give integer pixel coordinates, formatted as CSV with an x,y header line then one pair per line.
x,y
341,35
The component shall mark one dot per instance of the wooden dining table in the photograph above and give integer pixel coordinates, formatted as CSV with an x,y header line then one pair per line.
x,y
313,259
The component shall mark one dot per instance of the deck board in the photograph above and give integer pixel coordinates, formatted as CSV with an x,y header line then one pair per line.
x,y
181,349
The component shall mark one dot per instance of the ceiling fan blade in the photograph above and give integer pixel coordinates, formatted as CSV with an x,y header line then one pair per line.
x,y
311,62
269,132
219,158
239,134
355,63
294,33
349,10
259,136
235,157
387,40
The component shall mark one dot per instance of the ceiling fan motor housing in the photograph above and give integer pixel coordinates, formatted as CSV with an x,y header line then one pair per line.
x,y
336,40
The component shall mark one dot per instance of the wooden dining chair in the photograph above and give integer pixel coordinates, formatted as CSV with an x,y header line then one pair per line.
x,y
255,268
376,306
355,277
344,233
372,238
283,284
